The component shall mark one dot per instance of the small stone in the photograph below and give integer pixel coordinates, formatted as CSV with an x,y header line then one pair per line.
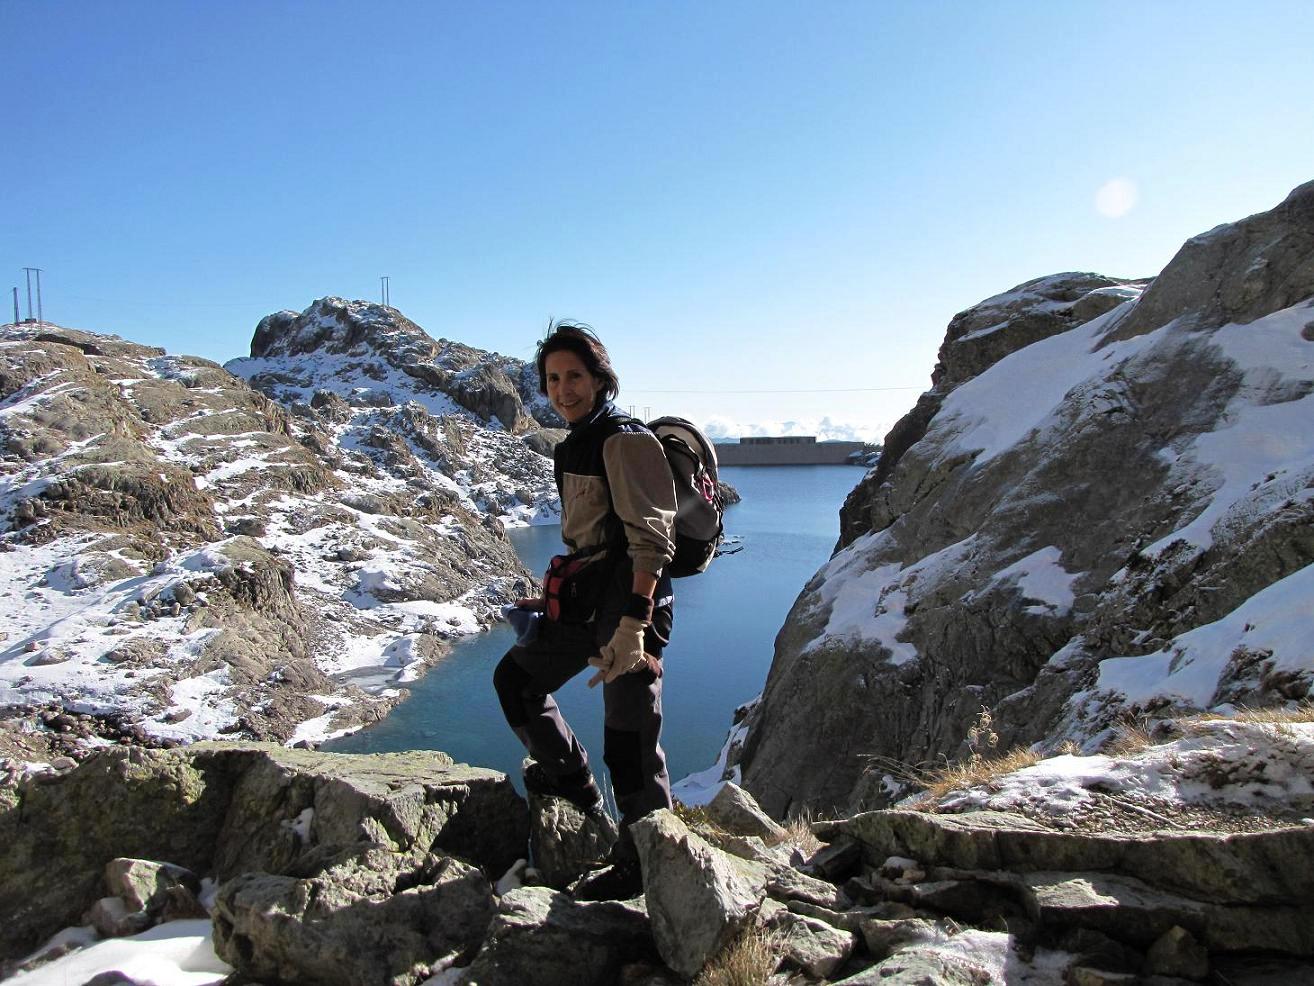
x,y
835,860
1177,952
112,919
1081,975
883,938
734,809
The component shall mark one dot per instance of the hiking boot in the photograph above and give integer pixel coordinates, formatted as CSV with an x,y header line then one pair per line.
x,y
622,880
579,788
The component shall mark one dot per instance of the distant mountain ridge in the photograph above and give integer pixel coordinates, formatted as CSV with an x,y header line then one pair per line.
x,y
185,554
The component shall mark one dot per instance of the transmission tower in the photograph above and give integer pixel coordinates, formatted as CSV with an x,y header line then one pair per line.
x,y
30,271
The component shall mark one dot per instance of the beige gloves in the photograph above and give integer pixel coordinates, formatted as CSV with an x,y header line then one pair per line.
x,y
622,654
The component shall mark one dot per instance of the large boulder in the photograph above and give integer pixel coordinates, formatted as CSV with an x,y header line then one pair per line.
x,y
699,898
566,842
544,937
364,917
148,804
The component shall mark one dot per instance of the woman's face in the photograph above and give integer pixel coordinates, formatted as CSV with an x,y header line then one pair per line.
x,y
571,388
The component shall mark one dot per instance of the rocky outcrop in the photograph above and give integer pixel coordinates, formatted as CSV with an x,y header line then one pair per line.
x,y
379,869
1101,510
304,822
1153,895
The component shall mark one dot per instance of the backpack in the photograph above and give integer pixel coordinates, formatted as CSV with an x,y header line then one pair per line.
x,y
699,507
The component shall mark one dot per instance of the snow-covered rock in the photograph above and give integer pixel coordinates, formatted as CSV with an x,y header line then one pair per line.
x,y
182,556
1107,517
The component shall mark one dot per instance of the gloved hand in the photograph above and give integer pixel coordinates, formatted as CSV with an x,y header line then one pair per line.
x,y
622,654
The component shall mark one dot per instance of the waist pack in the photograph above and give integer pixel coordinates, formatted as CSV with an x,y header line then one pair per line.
x,y
573,585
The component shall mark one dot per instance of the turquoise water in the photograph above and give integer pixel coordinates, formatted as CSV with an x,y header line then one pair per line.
x,y
726,621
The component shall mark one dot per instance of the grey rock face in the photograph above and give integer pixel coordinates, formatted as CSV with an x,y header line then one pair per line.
x,y
914,966
1177,953
699,898
112,919
1243,868
923,617
165,808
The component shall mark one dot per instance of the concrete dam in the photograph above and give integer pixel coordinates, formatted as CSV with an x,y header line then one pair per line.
x,y
794,450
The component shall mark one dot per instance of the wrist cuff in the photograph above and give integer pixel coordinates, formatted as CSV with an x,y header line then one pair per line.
x,y
638,607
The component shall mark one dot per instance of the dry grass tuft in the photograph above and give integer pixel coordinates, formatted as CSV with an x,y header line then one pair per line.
x,y
748,961
976,771
798,832
699,821
1132,738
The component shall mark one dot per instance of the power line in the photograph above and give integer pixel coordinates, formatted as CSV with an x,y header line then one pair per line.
x,y
815,390
164,304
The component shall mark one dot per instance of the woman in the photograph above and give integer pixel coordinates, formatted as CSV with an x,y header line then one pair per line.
x,y
607,603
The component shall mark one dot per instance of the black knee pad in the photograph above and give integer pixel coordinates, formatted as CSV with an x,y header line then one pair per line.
x,y
622,751
512,682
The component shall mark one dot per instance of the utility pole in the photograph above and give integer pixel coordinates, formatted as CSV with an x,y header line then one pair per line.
x,y
15,306
30,272
387,299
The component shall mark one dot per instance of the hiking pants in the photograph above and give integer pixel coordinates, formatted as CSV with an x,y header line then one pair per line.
x,y
527,676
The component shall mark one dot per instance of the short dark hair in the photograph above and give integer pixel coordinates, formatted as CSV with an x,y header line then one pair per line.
x,y
577,338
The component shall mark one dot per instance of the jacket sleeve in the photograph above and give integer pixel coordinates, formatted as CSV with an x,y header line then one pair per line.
x,y
643,495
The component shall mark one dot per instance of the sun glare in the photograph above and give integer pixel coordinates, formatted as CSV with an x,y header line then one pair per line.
x,y
1116,198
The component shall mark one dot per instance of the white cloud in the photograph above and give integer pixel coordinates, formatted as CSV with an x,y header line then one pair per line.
x,y
824,428
1116,198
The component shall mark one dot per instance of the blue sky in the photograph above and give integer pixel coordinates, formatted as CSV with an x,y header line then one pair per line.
x,y
739,196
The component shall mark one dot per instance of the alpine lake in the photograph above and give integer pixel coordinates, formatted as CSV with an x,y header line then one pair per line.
x,y
722,644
